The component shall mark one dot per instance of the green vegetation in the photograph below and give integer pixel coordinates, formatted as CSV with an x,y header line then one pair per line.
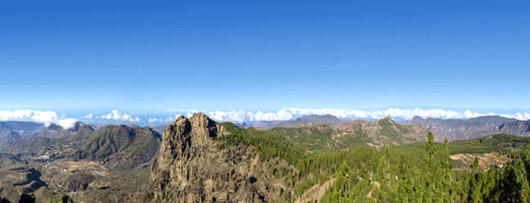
x,y
388,130
315,138
269,145
500,143
408,173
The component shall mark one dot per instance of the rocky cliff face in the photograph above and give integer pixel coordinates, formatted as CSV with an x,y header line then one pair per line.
x,y
192,168
516,128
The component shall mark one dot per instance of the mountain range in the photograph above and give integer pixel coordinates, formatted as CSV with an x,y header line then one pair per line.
x,y
458,129
198,159
297,122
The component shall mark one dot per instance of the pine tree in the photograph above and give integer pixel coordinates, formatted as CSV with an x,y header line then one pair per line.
x,y
475,164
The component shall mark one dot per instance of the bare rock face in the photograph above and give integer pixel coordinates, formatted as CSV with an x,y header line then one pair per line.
x,y
516,127
192,168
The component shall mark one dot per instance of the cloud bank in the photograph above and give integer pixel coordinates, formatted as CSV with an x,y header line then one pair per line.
x,y
115,115
45,117
239,116
169,119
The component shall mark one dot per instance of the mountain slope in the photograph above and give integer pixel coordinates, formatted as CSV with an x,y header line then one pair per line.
x,y
298,122
121,146
353,133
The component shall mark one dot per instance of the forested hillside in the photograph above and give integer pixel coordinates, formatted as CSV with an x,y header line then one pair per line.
x,y
408,173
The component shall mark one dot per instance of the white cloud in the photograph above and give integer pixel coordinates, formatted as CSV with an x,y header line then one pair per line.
x,y
242,116
45,117
67,123
116,115
153,120
89,116
230,116
271,116
519,116
376,114
168,119
469,114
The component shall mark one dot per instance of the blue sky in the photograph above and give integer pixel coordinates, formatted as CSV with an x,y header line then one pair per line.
x,y
146,57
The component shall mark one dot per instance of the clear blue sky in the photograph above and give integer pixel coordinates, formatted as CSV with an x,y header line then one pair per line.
x,y
151,56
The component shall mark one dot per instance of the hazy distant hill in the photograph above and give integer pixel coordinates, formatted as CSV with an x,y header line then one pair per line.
x,y
159,128
78,132
21,128
298,122
8,133
458,129
13,131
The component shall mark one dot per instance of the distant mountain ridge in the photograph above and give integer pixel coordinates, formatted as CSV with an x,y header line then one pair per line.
x,y
19,128
458,129
298,122
516,127
354,133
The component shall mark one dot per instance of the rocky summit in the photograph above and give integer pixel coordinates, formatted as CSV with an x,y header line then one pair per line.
x,y
191,167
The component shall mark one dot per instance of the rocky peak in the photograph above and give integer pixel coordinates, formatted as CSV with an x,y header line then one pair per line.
x,y
204,125
417,120
191,168
179,137
54,127
81,126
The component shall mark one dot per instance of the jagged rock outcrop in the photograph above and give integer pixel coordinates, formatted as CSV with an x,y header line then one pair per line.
x,y
192,168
